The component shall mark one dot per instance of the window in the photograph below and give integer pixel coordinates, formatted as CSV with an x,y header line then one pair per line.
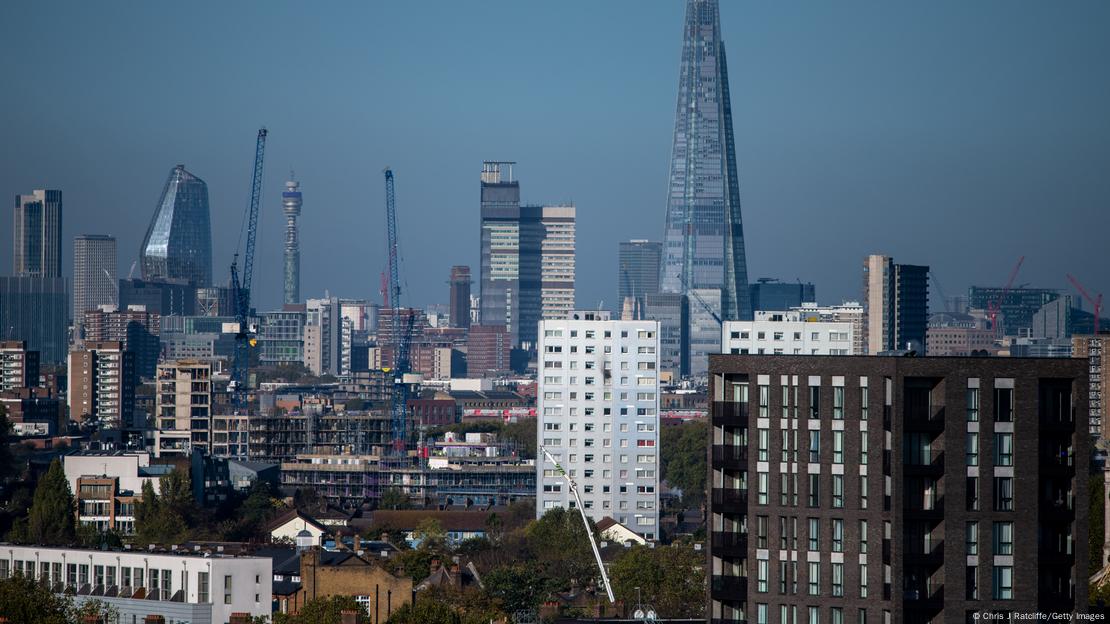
x,y
814,446
784,489
973,402
972,538
972,488
838,447
763,487
838,403
764,401
782,533
227,589
814,615
1004,538
972,448
1003,586
863,537
761,614
863,580
838,579
838,491
764,443
763,570
863,448
1003,494
1003,449
863,399
814,401
814,534
863,491
761,532
814,579
837,535
972,583
1003,401
202,587
814,490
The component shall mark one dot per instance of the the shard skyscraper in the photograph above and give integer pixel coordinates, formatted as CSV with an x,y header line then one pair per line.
x,y
703,249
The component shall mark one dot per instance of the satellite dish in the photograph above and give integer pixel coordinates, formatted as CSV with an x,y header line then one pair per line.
x,y
638,614
651,615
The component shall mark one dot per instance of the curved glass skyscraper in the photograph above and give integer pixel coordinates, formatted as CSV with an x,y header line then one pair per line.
x,y
703,248
178,243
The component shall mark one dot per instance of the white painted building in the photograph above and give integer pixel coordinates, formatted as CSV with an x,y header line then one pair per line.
x,y
183,587
598,413
808,330
127,467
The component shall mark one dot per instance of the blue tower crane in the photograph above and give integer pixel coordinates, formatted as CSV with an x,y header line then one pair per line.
x,y
402,331
241,292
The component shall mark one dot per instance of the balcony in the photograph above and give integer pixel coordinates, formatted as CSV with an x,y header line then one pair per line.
x,y
730,497
729,413
729,587
730,456
730,544
934,467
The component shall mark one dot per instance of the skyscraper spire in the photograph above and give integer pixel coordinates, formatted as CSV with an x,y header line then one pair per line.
x,y
704,237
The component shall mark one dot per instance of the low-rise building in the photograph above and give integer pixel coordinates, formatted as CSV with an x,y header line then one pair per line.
x,y
810,331
181,586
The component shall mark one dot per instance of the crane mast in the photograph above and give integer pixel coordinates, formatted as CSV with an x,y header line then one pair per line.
x,y
241,291
402,331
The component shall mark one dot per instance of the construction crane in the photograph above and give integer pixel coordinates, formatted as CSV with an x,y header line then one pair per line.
x,y
241,290
996,304
708,308
402,332
940,291
1096,302
585,521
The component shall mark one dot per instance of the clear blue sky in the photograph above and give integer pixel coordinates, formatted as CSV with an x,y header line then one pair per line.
x,y
956,134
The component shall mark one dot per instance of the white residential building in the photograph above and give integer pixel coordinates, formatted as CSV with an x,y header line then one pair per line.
x,y
809,330
598,416
181,586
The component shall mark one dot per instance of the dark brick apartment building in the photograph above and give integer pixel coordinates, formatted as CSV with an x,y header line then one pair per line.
x,y
896,489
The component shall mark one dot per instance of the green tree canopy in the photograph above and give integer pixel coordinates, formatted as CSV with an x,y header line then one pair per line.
x,y
22,599
52,519
559,542
682,455
426,610
671,579
166,518
519,586
326,610
394,498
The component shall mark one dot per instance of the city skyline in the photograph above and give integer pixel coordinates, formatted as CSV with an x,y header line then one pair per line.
x,y
949,125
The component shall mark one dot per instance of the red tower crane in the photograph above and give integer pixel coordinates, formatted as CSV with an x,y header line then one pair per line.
x,y
993,308
1096,302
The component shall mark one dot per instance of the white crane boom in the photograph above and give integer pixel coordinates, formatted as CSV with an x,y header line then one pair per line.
x,y
585,522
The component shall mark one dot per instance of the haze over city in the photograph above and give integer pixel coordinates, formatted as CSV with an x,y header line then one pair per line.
x,y
951,134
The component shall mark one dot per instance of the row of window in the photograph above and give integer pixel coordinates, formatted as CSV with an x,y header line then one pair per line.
x,y
642,334
590,349
605,443
788,614
834,336
557,426
788,490
788,534
789,451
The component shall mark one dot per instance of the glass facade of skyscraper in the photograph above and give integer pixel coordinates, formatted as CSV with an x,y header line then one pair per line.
x,y
178,244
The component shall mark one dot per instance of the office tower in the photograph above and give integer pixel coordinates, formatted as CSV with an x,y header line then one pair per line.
x,y
598,410
672,312
165,297
135,327
896,305
488,351
460,297
19,368
36,311
638,271
1092,348
500,248
877,489
291,205
37,232
94,273
1016,306
183,408
772,295
215,301
281,336
102,382
557,260
813,331
703,246
178,243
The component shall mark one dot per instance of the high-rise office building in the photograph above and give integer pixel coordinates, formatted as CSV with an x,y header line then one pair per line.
x,y
598,411
772,295
166,297
1016,306
527,252
1094,349
94,273
37,232
460,297
672,312
36,311
102,382
557,263
703,246
893,489
895,305
291,205
178,243
638,269
281,336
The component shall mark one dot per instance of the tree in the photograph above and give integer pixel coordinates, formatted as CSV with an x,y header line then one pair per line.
x,y
394,498
672,578
327,610
166,518
682,459
51,521
429,534
519,586
523,433
558,540
22,599
425,611
104,611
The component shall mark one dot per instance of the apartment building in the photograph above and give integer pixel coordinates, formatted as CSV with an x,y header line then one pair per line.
x,y
896,489
793,332
102,380
19,368
183,408
598,410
